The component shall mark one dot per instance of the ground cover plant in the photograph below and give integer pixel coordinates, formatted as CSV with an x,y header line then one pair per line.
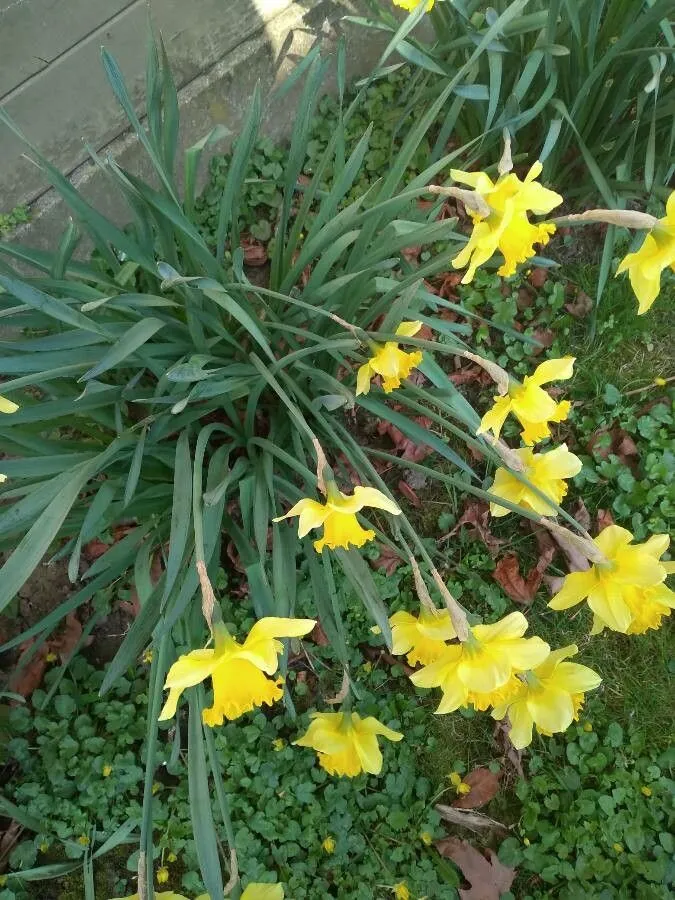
x,y
221,406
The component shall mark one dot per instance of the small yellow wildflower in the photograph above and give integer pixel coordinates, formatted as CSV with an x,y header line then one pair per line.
x,y
618,848
461,787
530,403
390,362
550,697
647,791
506,226
426,838
545,471
328,844
3,880
147,657
526,841
401,891
341,528
660,382
375,629
106,770
367,667
162,875
656,254
44,846
278,744
588,727
345,743
7,406
83,840
483,663
157,787
51,657
422,638
171,858
238,671
626,593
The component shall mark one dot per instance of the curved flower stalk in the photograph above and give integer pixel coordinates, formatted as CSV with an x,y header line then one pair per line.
x,y
341,528
470,672
625,591
529,402
505,225
390,362
548,697
345,743
238,671
545,471
422,638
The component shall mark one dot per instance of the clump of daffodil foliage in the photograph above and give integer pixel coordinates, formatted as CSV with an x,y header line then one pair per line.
x,y
218,409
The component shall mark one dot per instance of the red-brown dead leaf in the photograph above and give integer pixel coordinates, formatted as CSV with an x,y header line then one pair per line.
x,y
425,333
615,441
389,560
93,549
255,253
511,755
580,306
581,514
525,298
318,636
445,286
409,494
544,336
538,277
25,679
406,448
411,254
484,786
605,519
488,878
476,515
66,640
522,590
469,375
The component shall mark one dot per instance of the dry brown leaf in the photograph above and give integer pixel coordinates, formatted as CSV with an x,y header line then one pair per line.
x,y
620,444
318,636
474,821
522,590
389,560
25,679
581,514
484,786
255,253
605,519
66,640
406,448
409,494
476,514
538,277
580,306
488,878
544,337
511,755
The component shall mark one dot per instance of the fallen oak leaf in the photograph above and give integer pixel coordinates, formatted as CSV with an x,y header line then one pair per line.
x,y
389,560
488,877
409,494
522,590
484,786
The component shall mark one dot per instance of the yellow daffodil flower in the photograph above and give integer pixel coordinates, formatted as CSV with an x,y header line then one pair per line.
x,y
410,5
530,403
545,471
506,227
162,895
657,253
549,698
647,605
7,406
401,891
483,663
616,587
484,700
341,528
424,638
390,362
263,892
238,671
345,743
328,845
